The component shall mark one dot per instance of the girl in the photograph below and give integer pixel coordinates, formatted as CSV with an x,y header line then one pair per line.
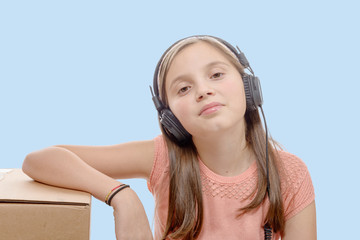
x,y
212,172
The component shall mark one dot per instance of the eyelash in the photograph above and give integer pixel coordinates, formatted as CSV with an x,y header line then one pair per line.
x,y
183,90
222,74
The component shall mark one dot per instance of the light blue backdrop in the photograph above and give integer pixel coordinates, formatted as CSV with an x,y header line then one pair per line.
x,y
77,72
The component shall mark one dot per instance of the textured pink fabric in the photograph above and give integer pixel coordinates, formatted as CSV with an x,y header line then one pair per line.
x,y
223,196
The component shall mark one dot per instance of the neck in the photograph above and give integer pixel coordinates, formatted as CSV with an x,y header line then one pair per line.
x,y
226,154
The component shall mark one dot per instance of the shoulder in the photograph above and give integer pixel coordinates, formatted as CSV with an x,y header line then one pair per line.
x,y
292,169
160,147
160,163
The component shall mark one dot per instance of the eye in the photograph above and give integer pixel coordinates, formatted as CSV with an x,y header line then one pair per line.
x,y
183,90
217,75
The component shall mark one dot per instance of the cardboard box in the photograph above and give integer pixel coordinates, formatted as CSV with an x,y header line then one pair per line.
x,y
30,210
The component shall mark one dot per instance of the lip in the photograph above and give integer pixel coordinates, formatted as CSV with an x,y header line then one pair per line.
x,y
210,108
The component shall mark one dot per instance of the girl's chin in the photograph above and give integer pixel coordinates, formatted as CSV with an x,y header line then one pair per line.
x,y
209,132
214,130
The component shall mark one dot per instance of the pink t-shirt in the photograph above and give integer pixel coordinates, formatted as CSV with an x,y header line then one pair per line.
x,y
223,196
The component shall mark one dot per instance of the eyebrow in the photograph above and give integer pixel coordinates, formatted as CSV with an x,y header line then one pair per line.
x,y
207,66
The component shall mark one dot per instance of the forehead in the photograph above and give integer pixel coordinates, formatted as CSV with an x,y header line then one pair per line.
x,y
198,51
195,56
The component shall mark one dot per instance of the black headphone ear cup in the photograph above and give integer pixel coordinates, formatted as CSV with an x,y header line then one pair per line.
x,y
252,91
173,127
256,90
250,105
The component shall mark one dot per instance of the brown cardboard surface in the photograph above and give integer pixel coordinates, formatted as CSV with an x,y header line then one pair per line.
x,y
31,210
16,186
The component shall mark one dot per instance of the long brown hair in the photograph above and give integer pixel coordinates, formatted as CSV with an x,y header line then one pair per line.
x,y
185,213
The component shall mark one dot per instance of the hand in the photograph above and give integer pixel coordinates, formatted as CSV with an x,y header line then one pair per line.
x,y
130,218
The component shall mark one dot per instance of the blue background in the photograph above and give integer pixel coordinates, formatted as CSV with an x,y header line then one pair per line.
x,y
78,72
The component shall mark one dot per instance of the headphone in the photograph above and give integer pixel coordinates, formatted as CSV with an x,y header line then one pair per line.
x,y
172,126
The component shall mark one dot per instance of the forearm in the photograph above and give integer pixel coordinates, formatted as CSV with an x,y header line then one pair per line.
x,y
60,167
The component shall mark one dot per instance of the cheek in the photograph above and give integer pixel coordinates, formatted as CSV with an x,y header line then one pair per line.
x,y
242,97
236,91
235,95
181,110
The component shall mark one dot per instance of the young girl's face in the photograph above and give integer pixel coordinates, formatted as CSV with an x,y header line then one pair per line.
x,y
205,91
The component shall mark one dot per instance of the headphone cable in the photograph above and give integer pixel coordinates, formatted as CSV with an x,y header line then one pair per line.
x,y
267,228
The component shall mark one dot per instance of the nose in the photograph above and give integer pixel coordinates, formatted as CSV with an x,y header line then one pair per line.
x,y
204,92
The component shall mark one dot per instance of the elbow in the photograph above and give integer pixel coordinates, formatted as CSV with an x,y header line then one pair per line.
x,y
29,164
35,162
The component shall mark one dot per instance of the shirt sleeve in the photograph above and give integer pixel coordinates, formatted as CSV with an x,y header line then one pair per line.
x,y
297,188
160,164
